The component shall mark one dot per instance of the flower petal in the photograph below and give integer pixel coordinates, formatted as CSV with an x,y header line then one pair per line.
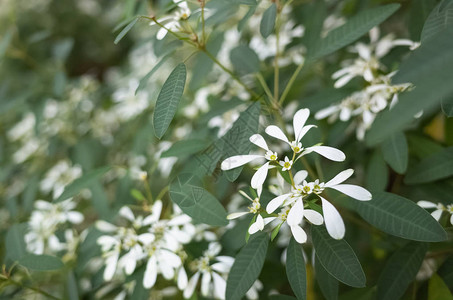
x,y
205,283
299,234
353,191
313,216
437,214
340,177
219,286
260,176
257,226
127,213
334,222
300,176
276,203
149,279
426,204
188,292
237,161
277,133
300,117
237,215
296,213
258,140
328,152
182,279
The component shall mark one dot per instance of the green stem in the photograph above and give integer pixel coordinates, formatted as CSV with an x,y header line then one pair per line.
x,y
162,193
203,35
148,191
290,83
35,289
277,54
263,83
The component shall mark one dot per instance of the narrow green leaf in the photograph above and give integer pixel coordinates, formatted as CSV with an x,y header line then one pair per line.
x,y
440,18
247,266
377,173
244,60
41,262
400,270
137,195
352,30
5,41
15,243
327,283
438,290
268,20
72,286
337,257
434,167
82,183
400,217
396,152
195,201
168,100
185,148
247,16
126,29
295,270
276,230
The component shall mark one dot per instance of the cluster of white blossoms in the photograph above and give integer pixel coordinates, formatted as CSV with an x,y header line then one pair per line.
x,y
46,220
296,195
173,22
378,94
439,208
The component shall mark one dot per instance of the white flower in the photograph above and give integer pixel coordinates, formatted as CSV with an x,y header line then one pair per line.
x,y
58,177
253,209
439,208
172,22
286,164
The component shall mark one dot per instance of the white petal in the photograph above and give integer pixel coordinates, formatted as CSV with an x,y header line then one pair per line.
x,y
304,131
219,286
437,214
353,191
75,217
179,220
277,133
237,161
426,204
188,292
161,33
149,279
300,176
296,213
343,81
340,177
127,213
227,260
105,226
257,226
110,266
258,140
329,152
299,234
205,283
260,176
324,113
300,117
182,279
276,203
451,219
334,222
146,238
313,216
221,267
237,215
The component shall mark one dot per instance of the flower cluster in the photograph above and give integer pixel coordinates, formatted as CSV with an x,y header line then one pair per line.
x,y
299,200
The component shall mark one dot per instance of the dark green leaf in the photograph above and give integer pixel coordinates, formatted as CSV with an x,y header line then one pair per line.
x,y
377,173
14,242
446,271
434,167
247,266
82,183
126,29
168,100
327,283
244,60
440,18
268,20
400,217
337,257
197,202
400,270
395,152
185,148
352,30
281,297
438,290
41,262
295,269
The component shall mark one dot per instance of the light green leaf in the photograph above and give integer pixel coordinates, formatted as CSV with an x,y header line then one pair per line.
x,y
15,243
185,148
295,269
5,41
377,173
168,100
432,168
428,68
327,283
400,270
126,29
41,262
82,183
438,290
395,152
268,20
440,18
400,217
244,60
247,266
337,257
195,201
352,30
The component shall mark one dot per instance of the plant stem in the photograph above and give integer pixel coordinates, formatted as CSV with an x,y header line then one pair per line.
x,y
162,193
35,289
277,53
263,83
203,35
148,191
290,83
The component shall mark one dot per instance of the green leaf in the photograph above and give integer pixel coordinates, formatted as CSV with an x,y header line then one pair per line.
x,y
438,290
41,262
247,16
395,152
185,148
427,68
145,79
281,297
447,105
244,60
353,29
82,183
247,266
268,20
377,173
126,29
195,201
446,271
5,41
400,217
432,168
440,18
15,243
168,100
327,283
400,270
295,269
337,257
137,195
